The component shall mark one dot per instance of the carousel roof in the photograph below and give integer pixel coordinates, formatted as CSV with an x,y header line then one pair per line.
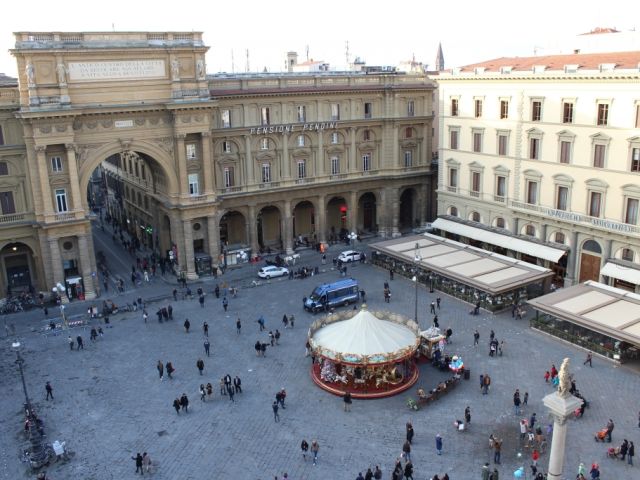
x,y
365,335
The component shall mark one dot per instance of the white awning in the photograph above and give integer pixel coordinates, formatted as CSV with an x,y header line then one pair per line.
x,y
620,272
504,241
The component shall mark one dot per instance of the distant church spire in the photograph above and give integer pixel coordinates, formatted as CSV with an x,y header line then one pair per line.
x,y
439,59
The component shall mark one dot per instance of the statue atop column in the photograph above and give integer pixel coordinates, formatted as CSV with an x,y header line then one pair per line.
x,y
62,74
175,69
564,377
31,75
200,69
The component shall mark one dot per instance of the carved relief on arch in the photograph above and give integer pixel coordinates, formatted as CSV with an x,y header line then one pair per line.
x,y
106,123
165,143
140,121
44,129
61,127
83,152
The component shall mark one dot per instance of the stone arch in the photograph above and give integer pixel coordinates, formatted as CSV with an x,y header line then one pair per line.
x,y
19,265
367,213
269,220
233,227
475,216
592,246
163,158
407,214
304,213
627,250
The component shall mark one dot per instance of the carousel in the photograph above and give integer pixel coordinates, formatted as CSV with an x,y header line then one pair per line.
x,y
369,354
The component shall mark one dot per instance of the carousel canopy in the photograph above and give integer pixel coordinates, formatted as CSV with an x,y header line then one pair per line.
x,y
365,335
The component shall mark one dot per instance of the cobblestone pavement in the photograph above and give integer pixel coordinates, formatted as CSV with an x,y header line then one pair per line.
x,y
109,403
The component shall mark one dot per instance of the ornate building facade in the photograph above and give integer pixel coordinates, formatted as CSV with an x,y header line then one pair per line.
x,y
197,165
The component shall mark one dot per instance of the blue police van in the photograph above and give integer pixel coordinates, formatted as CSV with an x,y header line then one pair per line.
x,y
330,295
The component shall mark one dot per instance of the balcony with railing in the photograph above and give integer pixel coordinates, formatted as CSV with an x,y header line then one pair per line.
x,y
16,218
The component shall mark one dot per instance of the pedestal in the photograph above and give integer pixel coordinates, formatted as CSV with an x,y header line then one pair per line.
x,y
560,407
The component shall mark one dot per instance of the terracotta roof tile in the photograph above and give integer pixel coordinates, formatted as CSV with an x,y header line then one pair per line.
x,y
585,61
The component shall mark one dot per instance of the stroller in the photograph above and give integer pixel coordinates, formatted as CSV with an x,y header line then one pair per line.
x,y
601,435
613,452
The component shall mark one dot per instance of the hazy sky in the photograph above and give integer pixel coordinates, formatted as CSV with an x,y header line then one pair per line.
x,y
380,32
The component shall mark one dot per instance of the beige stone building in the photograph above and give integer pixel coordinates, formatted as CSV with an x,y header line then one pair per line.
x,y
540,156
199,165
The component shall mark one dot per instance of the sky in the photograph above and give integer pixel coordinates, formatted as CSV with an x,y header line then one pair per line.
x,y
379,32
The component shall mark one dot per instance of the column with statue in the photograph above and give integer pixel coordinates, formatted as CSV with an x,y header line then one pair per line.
x,y
561,405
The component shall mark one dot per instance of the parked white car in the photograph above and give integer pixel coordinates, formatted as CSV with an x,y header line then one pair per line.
x,y
272,271
350,256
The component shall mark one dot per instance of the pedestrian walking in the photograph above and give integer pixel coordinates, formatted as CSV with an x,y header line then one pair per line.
x,y
207,346
160,368
408,470
184,402
237,384
201,300
476,338
71,343
525,400
145,315
209,390
80,342
146,462
438,303
225,303
347,401
292,320
304,447
176,405
203,392
238,326
231,393
588,360
175,295
49,390
497,447
439,444
277,336
391,274
138,460
274,407
223,390
631,451
200,365
170,369
205,329
261,323
467,415
272,339
187,324
433,308
315,448
406,451
285,320
170,312
516,402
410,432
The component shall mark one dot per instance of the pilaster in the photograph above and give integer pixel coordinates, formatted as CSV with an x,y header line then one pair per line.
x,y
77,197
182,164
287,227
56,261
189,260
321,218
43,173
252,230
286,161
207,163
248,158
85,267
213,233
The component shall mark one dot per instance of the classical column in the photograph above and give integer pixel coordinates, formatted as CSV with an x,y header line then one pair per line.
x,y
189,260
608,248
320,158
394,214
352,167
287,228
176,236
213,232
286,161
207,163
321,218
182,165
45,187
252,231
56,262
248,158
561,405
85,268
572,261
425,152
516,226
543,232
424,193
352,212
73,178
395,148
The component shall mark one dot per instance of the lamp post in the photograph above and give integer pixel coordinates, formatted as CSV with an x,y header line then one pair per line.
x,y
38,455
416,258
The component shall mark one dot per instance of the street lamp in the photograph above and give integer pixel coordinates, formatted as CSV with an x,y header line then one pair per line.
x,y
417,259
38,455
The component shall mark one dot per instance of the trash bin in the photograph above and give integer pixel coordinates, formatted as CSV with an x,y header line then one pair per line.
x,y
467,374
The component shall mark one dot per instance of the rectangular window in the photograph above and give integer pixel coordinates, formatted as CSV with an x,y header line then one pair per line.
x,y
408,132
603,114
453,139
567,112
411,108
226,147
264,144
501,186
598,155
229,180
265,118
366,136
565,152
193,184
635,160
504,109
302,169
534,148
631,215
502,145
192,152
302,114
408,158
475,182
56,164
477,142
4,168
7,204
266,172
366,162
627,254
335,111
301,140
478,108
595,201
454,107
334,138
536,111
532,192
562,198
559,237
453,177
61,200
225,116
368,109
335,165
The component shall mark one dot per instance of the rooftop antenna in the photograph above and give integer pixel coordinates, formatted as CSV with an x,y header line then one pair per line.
x,y
247,66
233,63
346,52
307,53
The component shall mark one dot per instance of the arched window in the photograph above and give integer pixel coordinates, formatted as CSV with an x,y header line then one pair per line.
x,y
475,216
453,211
530,230
500,222
592,246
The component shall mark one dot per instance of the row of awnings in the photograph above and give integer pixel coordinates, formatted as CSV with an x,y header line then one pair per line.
x,y
505,241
